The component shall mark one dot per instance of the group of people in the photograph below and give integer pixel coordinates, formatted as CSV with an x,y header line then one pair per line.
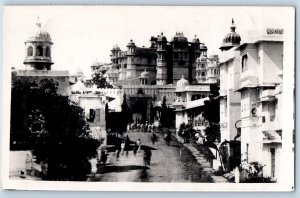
x,y
140,127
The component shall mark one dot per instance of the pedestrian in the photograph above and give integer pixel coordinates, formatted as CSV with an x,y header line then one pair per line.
x,y
153,138
139,144
93,162
127,145
168,139
103,157
135,148
122,148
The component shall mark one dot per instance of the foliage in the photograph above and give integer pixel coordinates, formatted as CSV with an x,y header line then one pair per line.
x,y
211,114
99,80
53,127
253,172
186,131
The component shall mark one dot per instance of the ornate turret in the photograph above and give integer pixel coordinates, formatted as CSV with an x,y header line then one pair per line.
x,y
131,47
38,49
231,39
162,70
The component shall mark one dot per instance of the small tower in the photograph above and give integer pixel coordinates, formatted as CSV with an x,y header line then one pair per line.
x,y
38,49
131,68
162,71
201,69
232,39
195,54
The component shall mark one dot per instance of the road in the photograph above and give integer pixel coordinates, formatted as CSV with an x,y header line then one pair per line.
x,y
172,163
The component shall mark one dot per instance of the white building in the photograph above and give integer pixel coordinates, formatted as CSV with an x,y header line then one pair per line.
x,y
94,104
188,99
261,103
229,65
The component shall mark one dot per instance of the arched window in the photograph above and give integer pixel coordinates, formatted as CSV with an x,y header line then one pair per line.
x,y
203,65
244,63
203,74
39,51
30,51
48,52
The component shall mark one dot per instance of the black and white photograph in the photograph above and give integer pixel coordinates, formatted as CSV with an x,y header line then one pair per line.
x,y
148,98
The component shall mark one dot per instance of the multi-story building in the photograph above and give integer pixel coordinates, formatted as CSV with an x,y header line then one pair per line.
x,y
189,99
261,102
165,61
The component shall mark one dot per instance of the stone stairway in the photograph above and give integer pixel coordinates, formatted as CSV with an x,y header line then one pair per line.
x,y
205,165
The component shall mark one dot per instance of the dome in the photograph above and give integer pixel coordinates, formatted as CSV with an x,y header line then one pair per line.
x,y
131,43
145,74
96,63
231,39
40,33
78,86
161,38
196,39
116,47
182,82
179,37
203,46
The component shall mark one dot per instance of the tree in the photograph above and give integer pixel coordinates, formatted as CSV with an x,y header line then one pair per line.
x,y
53,127
125,114
211,113
99,80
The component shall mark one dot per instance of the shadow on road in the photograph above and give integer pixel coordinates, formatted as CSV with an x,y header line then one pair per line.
x,y
110,169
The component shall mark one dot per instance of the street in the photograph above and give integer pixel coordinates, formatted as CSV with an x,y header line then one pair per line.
x,y
172,163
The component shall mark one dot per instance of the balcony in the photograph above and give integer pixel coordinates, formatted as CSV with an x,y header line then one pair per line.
x,y
267,95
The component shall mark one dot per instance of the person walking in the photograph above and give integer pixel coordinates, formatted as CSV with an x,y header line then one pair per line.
x,y
122,148
153,137
135,148
93,162
139,144
127,145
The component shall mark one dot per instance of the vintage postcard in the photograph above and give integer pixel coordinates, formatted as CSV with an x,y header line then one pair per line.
x,y
148,98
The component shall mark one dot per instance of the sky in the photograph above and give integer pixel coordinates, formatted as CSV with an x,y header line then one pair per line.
x,y
84,34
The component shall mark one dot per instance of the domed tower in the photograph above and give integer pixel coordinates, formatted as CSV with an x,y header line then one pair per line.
x,y
231,40
201,69
195,54
203,49
38,49
162,71
180,56
131,68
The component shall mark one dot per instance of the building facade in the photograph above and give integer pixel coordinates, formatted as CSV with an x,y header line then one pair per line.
x,y
165,61
261,104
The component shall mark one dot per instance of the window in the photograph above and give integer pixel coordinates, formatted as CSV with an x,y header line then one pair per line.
x,y
30,51
91,116
203,74
263,119
39,51
48,53
203,65
245,63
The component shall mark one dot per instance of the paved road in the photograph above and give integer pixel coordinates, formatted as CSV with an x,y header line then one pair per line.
x,y
172,163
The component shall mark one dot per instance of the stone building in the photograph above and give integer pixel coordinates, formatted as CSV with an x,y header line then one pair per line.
x,y
165,61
